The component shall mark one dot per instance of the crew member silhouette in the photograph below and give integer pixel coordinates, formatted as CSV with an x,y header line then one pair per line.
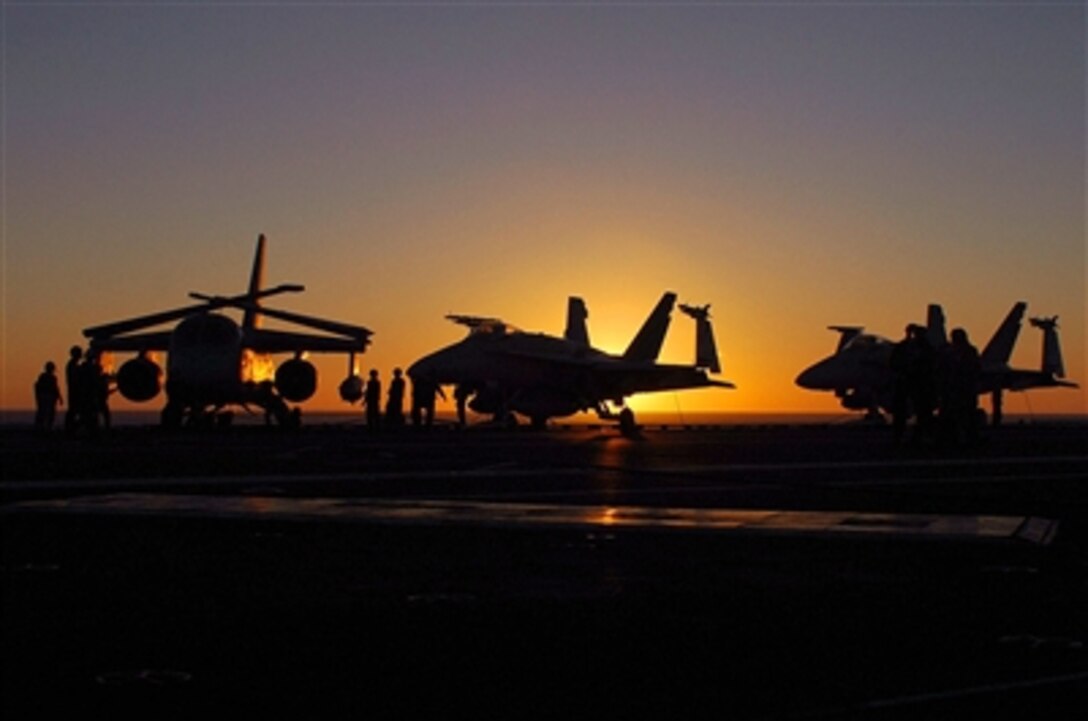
x,y
424,391
461,393
47,397
73,380
394,406
922,381
95,390
900,364
913,370
960,368
372,399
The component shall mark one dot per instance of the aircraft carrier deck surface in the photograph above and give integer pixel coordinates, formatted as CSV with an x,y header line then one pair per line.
x,y
778,571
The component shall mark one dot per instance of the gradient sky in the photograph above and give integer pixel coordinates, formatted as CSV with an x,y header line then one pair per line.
x,y
795,165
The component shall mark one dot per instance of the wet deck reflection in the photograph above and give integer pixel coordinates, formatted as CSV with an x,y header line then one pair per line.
x,y
1031,529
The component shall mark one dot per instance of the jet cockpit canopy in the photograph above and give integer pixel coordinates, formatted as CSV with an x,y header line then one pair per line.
x,y
863,343
484,326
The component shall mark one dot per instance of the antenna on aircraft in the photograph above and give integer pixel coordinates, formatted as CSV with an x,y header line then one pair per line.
x,y
471,320
481,325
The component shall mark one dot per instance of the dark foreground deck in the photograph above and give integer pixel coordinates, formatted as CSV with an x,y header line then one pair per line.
x,y
772,572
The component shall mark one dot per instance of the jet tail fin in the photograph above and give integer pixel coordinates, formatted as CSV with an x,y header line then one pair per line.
x,y
706,351
1052,349
646,345
997,351
577,314
252,318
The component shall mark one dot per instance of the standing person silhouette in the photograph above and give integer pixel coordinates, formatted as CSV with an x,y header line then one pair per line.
x,y
900,362
46,398
424,391
95,391
462,392
922,381
394,406
372,399
73,380
960,371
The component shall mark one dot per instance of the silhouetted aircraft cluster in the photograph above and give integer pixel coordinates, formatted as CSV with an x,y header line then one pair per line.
x,y
859,372
214,361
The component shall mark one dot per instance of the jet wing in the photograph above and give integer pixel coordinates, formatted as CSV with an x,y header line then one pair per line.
x,y
664,369
623,377
1016,379
642,378
273,341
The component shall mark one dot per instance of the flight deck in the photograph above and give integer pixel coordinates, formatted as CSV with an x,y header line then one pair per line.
x,y
773,572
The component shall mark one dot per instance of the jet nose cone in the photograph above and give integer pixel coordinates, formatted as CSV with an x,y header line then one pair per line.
x,y
419,369
816,377
446,365
804,378
429,366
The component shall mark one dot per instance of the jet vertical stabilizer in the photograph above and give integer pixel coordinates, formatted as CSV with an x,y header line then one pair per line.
x,y
706,351
1052,350
251,318
646,345
576,322
997,352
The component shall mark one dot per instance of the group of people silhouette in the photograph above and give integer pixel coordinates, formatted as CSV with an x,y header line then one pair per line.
x,y
939,387
423,402
89,388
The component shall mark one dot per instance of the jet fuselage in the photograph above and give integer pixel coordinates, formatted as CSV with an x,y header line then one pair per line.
x,y
209,365
516,370
859,373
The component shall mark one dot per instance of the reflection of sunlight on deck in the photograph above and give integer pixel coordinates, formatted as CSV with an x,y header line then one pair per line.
x,y
260,504
750,522
613,452
607,517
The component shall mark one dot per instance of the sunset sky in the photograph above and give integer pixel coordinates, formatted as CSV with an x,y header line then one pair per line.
x,y
793,164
